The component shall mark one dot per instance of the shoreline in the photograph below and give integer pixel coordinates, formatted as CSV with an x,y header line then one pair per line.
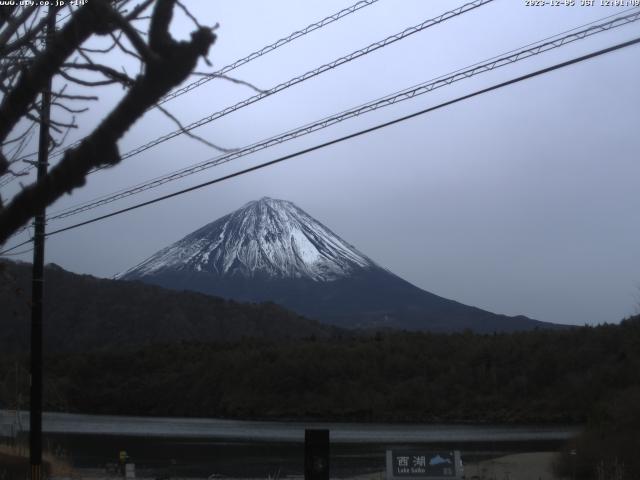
x,y
291,431
520,466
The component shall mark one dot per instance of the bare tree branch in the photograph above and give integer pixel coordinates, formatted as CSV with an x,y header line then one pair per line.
x,y
87,20
14,24
68,109
85,83
103,69
134,37
135,13
188,14
29,36
231,79
117,41
193,135
168,65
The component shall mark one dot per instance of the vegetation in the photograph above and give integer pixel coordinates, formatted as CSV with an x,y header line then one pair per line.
x,y
538,376
14,463
85,313
607,449
28,66
186,354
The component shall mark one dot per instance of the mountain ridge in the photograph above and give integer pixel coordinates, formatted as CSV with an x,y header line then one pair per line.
x,y
271,250
267,236
86,313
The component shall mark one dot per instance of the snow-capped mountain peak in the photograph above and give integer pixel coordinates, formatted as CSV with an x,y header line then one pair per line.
x,y
266,237
271,250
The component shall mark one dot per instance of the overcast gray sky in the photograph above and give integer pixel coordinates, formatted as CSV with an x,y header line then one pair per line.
x,y
522,201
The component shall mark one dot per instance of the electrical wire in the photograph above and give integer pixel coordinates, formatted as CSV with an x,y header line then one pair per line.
x,y
356,134
226,69
296,80
15,254
402,95
5,252
269,48
310,74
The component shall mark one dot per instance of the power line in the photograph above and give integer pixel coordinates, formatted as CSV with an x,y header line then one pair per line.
x,y
356,134
16,254
345,59
252,56
5,252
480,67
311,74
306,76
269,48
420,89
406,94
49,27
232,66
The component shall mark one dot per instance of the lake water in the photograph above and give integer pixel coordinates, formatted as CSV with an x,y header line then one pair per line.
x,y
200,447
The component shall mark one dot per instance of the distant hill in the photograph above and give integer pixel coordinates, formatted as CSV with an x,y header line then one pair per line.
x,y
271,250
87,313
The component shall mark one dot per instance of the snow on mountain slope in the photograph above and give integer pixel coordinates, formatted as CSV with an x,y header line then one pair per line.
x,y
267,237
271,251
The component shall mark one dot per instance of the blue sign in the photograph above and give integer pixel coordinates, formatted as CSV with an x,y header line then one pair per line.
x,y
421,464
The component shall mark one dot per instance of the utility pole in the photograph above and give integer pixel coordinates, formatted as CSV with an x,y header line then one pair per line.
x,y
37,283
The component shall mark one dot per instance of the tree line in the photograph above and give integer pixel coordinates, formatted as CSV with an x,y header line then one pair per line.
x,y
584,375
537,376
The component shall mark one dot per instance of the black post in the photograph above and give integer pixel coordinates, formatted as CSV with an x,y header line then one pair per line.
x,y
37,288
316,454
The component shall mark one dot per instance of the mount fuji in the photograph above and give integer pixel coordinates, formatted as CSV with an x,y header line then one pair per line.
x,y
271,250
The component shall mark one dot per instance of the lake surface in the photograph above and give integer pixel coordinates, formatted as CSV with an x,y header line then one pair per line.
x,y
200,447
272,431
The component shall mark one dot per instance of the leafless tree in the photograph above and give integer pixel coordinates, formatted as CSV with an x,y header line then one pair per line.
x,y
30,57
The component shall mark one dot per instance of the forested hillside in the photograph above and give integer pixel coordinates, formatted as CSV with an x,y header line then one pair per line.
x,y
539,376
87,313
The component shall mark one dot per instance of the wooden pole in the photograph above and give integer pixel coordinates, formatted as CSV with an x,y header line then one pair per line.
x,y
37,287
